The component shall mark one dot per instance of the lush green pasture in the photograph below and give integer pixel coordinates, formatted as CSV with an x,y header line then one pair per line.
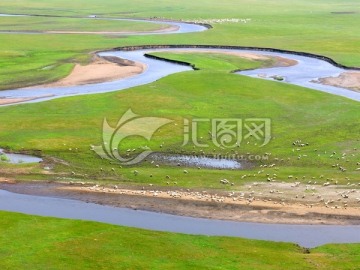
x,y
65,128
202,9
34,242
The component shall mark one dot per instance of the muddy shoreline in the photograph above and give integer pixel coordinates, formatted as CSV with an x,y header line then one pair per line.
x,y
349,80
259,211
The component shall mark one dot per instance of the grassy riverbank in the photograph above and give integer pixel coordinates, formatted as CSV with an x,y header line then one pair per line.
x,y
34,242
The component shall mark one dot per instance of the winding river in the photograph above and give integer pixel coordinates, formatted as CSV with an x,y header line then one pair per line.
x,y
306,70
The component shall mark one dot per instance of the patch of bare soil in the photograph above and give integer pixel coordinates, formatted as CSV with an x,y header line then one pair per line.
x,y
349,80
7,101
278,61
101,69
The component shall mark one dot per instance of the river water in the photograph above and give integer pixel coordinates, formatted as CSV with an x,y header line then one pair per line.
x,y
305,235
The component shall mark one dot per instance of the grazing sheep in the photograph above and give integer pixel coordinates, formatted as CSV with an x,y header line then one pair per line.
x,y
224,181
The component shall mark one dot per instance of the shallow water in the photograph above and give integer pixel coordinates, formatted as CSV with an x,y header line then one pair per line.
x,y
19,158
195,161
305,235
304,73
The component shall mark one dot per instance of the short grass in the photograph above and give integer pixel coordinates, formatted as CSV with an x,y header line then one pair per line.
x,y
74,24
34,242
65,128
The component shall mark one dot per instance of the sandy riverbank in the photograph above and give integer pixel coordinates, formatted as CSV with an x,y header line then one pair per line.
x,y
163,29
277,61
349,80
101,69
8,101
237,206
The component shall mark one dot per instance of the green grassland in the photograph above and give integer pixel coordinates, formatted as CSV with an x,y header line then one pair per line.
x,y
65,128
297,25
29,241
74,24
186,9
